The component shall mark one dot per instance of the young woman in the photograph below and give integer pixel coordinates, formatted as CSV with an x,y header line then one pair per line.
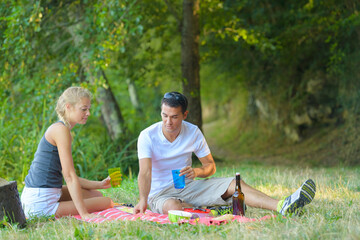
x,y
44,194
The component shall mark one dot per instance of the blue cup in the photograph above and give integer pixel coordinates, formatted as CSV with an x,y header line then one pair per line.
x,y
179,181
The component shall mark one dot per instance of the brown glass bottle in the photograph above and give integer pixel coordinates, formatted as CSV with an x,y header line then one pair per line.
x,y
238,198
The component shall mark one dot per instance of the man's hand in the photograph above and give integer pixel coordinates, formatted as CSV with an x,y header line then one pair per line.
x,y
189,172
140,207
207,169
144,183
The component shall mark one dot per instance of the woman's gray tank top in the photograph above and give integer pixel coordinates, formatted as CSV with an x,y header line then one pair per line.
x,y
45,170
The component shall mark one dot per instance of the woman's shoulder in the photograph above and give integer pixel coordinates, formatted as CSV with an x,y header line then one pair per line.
x,y
55,131
58,126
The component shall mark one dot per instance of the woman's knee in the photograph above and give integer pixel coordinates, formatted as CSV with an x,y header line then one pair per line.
x,y
91,193
109,202
97,193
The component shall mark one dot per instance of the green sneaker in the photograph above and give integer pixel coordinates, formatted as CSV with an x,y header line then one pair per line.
x,y
296,201
220,210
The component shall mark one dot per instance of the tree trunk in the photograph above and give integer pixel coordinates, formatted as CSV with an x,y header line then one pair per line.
x,y
110,110
190,58
133,95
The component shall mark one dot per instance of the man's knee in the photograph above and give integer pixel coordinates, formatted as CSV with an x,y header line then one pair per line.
x,y
171,204
230,191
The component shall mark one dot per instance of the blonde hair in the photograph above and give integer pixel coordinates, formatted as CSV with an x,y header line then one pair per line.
x,y
72,95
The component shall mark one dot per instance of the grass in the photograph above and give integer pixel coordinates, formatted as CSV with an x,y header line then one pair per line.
x,y
334,213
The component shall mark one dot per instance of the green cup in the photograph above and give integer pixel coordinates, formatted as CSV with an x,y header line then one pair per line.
x,y
115,176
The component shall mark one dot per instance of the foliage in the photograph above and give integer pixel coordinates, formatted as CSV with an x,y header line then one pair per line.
x,y
296,62
38,62
283,46
250,50
150,59
93,151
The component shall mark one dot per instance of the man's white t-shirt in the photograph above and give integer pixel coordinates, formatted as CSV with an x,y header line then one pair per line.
x,y
166,156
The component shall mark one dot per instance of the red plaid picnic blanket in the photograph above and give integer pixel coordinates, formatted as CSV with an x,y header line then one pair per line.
x,y
124,213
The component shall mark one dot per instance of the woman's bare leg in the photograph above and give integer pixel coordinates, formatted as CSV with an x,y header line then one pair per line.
x,y
86,193
94,204
93,199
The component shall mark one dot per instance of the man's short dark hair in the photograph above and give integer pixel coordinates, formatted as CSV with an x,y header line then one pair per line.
x,y
174,100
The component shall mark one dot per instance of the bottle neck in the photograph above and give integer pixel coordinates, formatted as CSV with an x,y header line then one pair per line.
x,y
238,186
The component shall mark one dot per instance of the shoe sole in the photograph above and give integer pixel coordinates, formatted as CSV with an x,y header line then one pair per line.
x,y
307,194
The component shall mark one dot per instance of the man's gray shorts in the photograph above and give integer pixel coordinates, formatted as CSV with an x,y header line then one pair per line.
x,y
204,192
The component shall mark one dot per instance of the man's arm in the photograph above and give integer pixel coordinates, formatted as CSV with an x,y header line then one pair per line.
x,y
144,183
207,169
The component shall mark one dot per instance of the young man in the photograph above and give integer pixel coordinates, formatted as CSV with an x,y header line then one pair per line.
x,y
169,145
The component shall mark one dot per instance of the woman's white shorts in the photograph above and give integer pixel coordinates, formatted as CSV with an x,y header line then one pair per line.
x,y
40,201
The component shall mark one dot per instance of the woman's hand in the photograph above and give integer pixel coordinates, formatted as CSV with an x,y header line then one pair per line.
x,y
105,183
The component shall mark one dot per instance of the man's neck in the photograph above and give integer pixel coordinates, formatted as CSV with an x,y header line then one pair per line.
x,y
171,136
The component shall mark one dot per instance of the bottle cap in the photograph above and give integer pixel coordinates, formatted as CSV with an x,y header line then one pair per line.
x,y
237,173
